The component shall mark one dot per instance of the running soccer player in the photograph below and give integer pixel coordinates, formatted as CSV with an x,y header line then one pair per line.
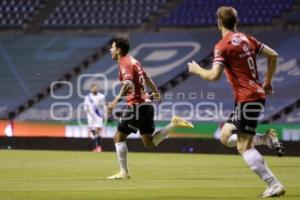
x,y
236,54
93,105
139,113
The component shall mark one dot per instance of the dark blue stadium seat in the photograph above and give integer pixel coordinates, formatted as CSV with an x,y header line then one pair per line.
x,y
101,13
202,13
14,13
292,117
294,18
30,63
184,44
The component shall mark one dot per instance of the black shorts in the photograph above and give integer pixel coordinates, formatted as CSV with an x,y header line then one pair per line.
x,y
245,116
137,117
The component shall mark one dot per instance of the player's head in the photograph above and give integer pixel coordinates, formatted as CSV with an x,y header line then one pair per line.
x,y
119,48
94,88
227,18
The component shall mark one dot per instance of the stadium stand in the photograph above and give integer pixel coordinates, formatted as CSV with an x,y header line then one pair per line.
x,y
202,12
174,51
166,57
287,76
30,63
294,18
161,53
102,13
15,13
293,117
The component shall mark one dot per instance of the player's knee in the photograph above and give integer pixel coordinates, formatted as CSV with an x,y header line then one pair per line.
x,y
243,146
119,138
149,144
224,139
116,138
241,149
93,132
225,134
98,131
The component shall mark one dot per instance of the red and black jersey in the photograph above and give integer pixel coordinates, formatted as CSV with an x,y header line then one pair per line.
x,y
237,53
131,69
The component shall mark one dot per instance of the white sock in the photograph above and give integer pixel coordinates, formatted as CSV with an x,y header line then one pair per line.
x,y
258,139
121,149
256,162
160,135
232,140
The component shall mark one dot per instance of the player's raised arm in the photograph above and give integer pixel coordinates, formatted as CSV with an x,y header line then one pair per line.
x,y
272,56
150,83
212,74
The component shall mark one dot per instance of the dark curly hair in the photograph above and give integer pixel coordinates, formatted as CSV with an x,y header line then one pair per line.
x,y
123,44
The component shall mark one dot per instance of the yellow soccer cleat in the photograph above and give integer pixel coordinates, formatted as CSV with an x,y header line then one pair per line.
x,y
119,176
181,123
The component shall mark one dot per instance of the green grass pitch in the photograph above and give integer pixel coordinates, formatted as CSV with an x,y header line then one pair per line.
x,y
62,175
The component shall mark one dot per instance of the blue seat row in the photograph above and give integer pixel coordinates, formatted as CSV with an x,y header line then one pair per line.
x,y
203,13
15,13
99,13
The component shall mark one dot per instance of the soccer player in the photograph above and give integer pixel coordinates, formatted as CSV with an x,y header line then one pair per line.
x,y
236,54
93,105
139,113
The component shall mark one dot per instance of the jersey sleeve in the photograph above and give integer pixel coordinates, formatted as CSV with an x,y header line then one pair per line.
x,y
219,55
102,99
127,72
257,44
142,69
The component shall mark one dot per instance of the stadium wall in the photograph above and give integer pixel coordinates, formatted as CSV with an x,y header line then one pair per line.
x,y
171,145
202,139
286,132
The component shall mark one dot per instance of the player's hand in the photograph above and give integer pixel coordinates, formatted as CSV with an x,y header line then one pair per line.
x,y
155,96
110,107
268,88
193,67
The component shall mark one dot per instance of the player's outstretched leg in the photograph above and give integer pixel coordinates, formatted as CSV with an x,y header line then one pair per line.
x,y
269,139
176,122
256,162
273,142
121,150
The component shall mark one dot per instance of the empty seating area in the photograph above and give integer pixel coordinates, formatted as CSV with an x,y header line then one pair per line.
x,y
203,12
30,63
133,13
14,13
294,18
102,13
293,117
